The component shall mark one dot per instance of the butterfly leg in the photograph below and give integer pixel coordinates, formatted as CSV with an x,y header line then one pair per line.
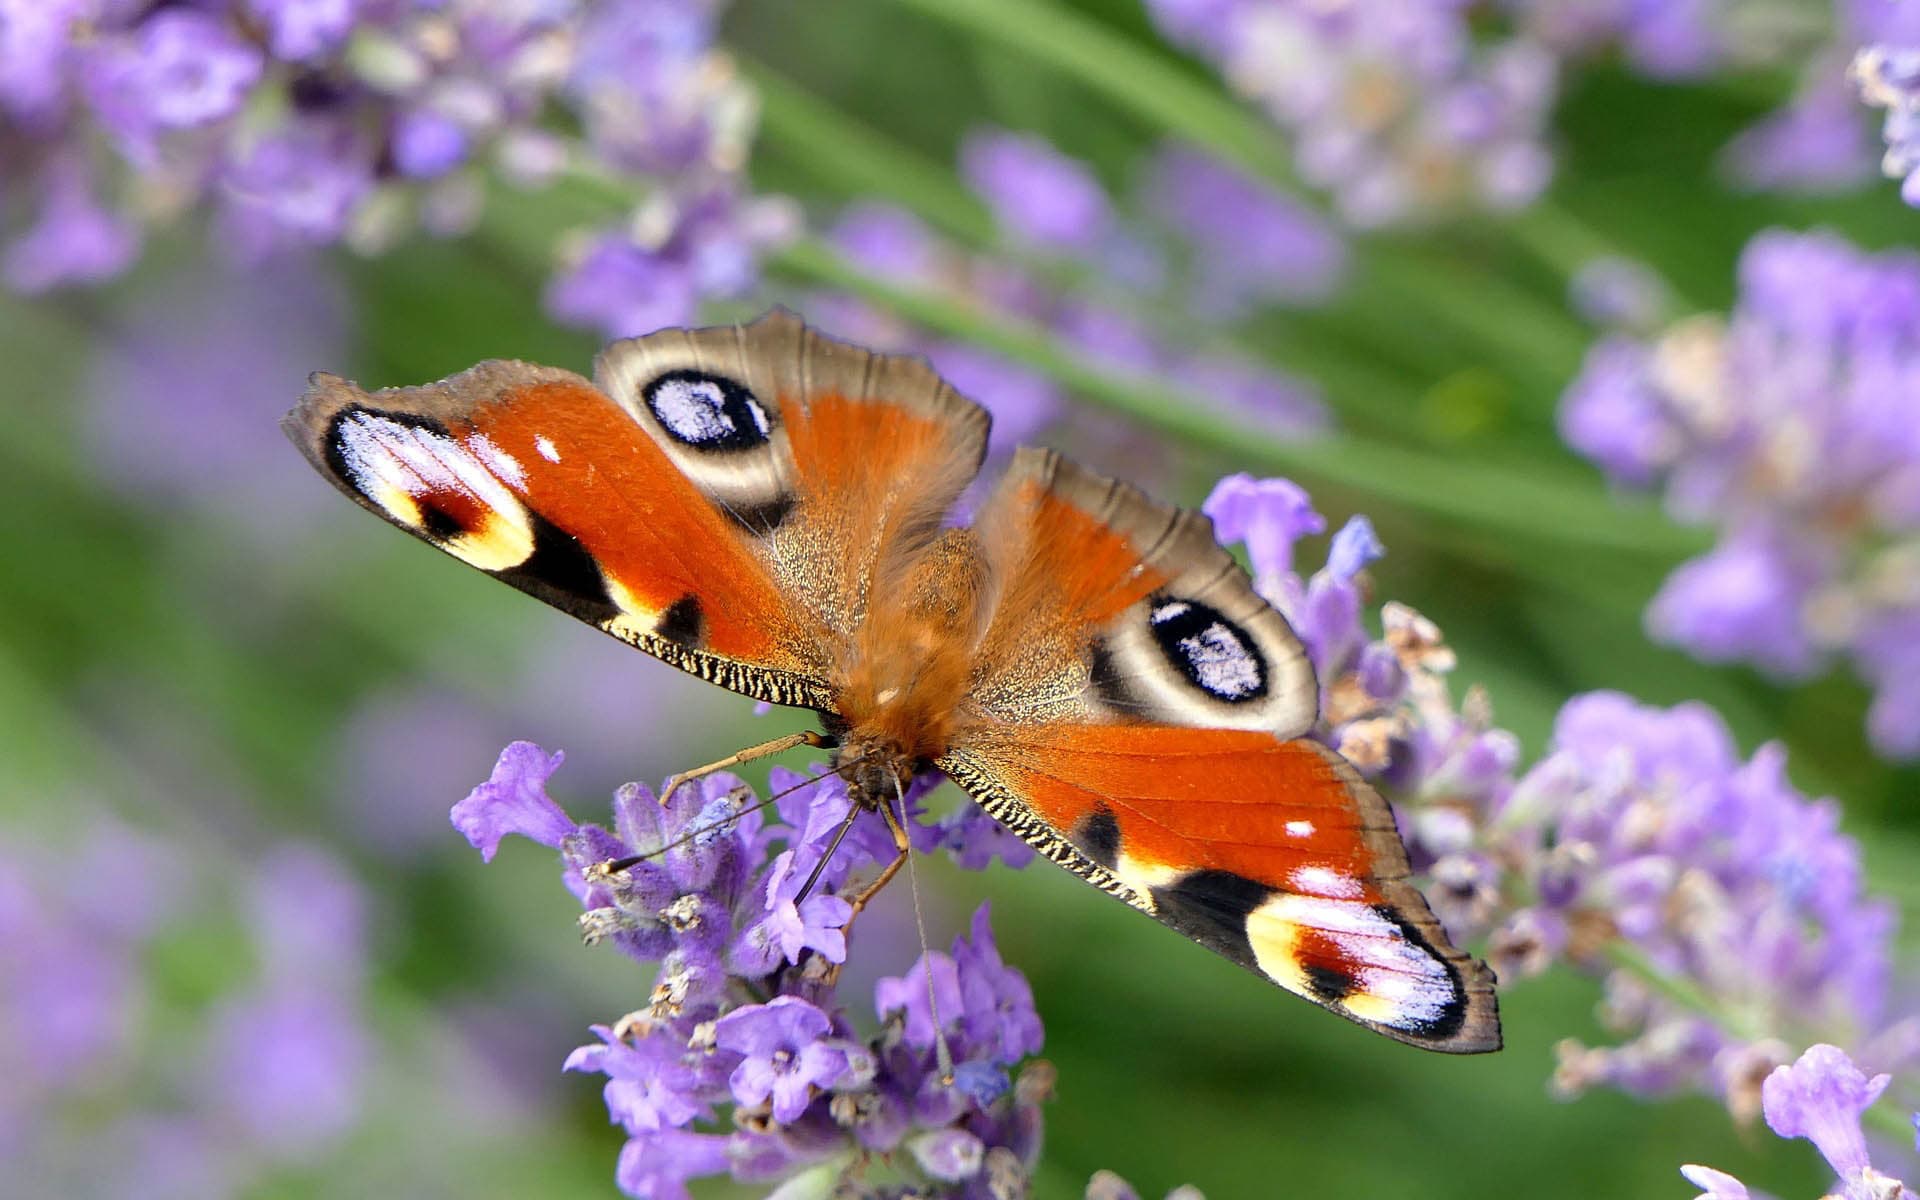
x,y
902,848
805,737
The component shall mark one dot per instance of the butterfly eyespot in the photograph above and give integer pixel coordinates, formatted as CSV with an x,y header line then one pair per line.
x,y
708,411
1216,655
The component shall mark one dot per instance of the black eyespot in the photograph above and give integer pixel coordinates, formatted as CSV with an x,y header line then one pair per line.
x,y
708,412
1217,656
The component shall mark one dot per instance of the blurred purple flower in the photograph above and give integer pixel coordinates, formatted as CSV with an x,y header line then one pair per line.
x,y
622,290
1397,110
1022,400
1815,143
287,1066
179,396
1788,425
1038,195
1743,601
1619,293
888,241
1251,244
305,29
1269,400
73,241
1889,77
313,122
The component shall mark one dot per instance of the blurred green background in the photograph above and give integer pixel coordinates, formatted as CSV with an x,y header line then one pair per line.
x,y
229,672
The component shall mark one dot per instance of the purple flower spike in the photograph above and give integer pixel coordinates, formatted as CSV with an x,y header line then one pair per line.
x,y
999,1014
303,29
1741,601
1251,243
1820,1098
514,800
785,1056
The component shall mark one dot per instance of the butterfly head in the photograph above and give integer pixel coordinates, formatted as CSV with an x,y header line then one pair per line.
x,y
877,771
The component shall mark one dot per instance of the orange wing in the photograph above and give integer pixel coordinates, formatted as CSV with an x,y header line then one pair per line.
x,y
727,503
1136,719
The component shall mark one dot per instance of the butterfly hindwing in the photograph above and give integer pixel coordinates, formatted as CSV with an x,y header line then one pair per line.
x,y
1112,607
1140,720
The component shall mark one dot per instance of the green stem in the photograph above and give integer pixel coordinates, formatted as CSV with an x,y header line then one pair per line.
x,y
1683,992
1130,76
1486,498
863,162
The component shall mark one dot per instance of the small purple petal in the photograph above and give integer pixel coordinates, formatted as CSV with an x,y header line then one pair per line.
x,y
1353,548
1269,515
1821,1098
949,1155
1714,1185
514,800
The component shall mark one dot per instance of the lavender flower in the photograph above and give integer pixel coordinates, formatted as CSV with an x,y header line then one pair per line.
x,y
1250,244
315,123
1641,837
1889,77
1820,1097
782,1054
1788,425
707,888
1393,109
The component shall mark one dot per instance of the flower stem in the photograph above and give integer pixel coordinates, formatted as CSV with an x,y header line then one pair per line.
x,y
1148,84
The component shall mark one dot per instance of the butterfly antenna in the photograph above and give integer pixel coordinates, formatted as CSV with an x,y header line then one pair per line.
x,y
942,1054
617,865
846,827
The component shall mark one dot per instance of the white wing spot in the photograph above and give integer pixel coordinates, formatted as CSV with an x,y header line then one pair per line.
x,y
1300,829
505,465
1222,662
695,409
1323,881
547,449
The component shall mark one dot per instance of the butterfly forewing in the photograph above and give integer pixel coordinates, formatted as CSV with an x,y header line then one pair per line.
x,y
534,476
